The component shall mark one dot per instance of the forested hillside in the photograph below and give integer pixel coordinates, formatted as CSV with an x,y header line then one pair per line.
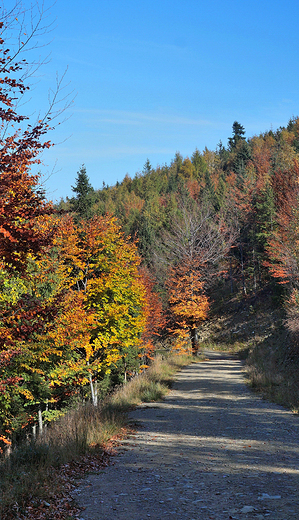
x,y
233,208
91,287
214,228
217,232
239,200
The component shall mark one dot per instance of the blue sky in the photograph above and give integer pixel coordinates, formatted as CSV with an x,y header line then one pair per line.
x,y
155,77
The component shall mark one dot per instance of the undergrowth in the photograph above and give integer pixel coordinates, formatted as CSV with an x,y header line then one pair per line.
x,y
254,329
273,371
30,471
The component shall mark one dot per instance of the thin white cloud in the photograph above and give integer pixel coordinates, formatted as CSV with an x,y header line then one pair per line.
x,y
112,42
120,117
113,152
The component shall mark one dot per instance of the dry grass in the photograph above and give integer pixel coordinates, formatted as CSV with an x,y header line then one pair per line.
x,y
254,329
28,472
151,385
272,372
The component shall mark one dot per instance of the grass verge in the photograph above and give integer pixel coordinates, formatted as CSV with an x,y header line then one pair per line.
x,y
36,476
273,371
253,329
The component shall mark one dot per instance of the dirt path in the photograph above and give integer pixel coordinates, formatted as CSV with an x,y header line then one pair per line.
x,y
211,449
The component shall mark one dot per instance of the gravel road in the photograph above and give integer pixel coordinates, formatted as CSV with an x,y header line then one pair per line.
x,y
210,450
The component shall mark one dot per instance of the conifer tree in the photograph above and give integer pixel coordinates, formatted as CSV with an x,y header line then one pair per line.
x,y
238,135
81,203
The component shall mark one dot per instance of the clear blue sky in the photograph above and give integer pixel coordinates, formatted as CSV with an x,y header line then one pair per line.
x,y
160,76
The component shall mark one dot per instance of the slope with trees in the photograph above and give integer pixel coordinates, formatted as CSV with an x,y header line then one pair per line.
x,y
242,187
90,287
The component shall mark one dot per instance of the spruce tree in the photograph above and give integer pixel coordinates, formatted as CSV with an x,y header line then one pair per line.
x,y
238,135
82,202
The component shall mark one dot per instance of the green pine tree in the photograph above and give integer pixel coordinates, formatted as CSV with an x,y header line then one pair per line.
x,y
238,135
82,202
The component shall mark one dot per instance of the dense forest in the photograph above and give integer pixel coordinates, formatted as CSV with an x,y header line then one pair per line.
x,y
91,287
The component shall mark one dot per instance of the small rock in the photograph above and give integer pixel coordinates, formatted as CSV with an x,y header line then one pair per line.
x,y
247,509
265,496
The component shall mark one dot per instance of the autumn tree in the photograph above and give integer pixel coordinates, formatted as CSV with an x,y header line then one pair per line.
x,y
98,264
154,314
187,301
283,243
114,293
22,139
100,301
199,234
24,212
191,253
22,202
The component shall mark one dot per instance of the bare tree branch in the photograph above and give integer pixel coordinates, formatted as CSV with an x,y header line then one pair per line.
x,y
198,235
22,32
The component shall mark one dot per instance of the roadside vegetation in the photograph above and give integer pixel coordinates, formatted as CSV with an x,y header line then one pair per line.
x,y
38,475
255,329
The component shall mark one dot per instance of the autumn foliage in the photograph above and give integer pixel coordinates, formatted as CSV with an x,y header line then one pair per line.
x,y
90,287
72,301
155,317
87,314
187,301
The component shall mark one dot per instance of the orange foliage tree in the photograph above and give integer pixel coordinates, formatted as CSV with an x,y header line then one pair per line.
x,y
23,209
22,202
283,244
154,314
193,250
100,317
188,304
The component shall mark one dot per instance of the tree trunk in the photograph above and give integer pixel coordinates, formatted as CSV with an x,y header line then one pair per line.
x,y
125,370
40,421
194,341
94,391
242,270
